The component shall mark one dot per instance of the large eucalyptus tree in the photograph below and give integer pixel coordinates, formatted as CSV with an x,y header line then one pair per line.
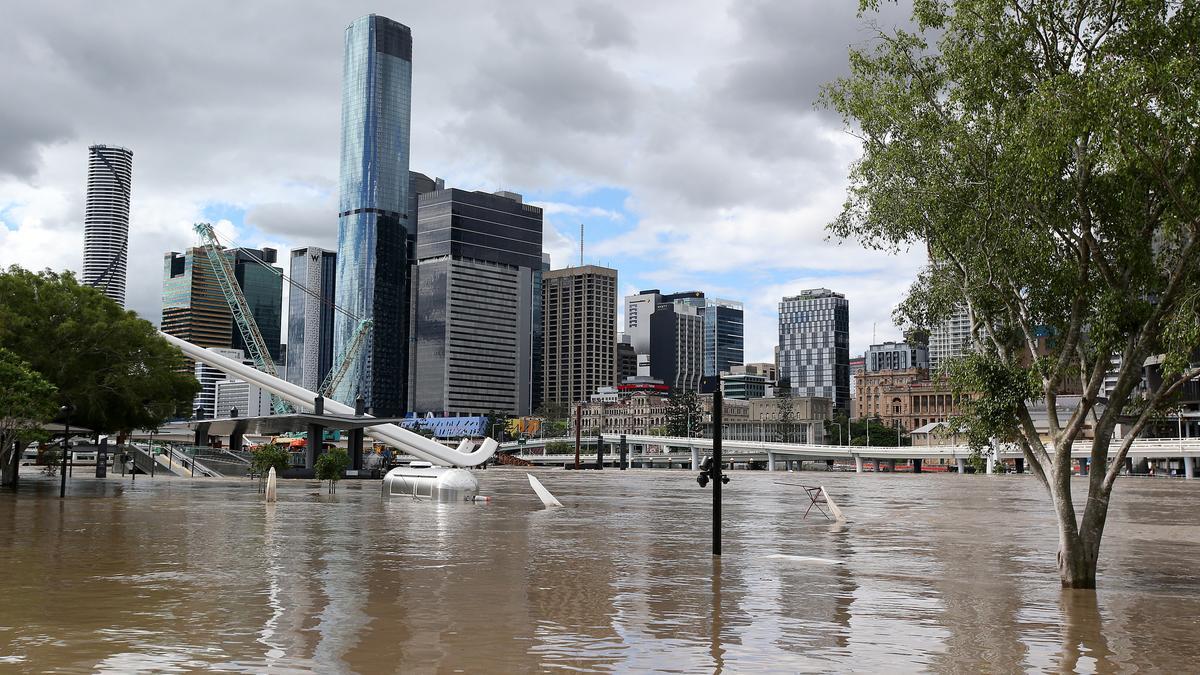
x,y
1045,153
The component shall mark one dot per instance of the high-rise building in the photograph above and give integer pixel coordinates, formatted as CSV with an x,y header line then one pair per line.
x,y
724,336
579,315
948,339
262,284
106,219
193,306
208,377
626,359
310,316
195,309
667,333
858,364
896,356
375,223
248,399
536,402
473,303
814,345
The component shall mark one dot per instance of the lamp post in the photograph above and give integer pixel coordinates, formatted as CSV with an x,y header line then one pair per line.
x,y
66,412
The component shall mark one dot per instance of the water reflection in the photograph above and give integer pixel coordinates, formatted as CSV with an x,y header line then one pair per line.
x,y
943,573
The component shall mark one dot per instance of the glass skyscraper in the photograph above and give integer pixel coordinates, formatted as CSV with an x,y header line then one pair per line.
x,y
375,227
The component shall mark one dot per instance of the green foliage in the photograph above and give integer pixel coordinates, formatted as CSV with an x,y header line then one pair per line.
x,y
991,394
26,401
268,456
497,424
560,448
684,415
555,419
106,362
880,434
331,465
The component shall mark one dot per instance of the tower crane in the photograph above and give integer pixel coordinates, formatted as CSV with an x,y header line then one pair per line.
x,y
249,328
242,316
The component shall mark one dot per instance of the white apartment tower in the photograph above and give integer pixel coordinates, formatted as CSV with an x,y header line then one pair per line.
x,y
106,220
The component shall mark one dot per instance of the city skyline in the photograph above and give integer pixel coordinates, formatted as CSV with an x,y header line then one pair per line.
x,y
741,216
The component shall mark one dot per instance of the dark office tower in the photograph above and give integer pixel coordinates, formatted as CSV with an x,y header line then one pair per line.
x,y
375,225
814,345
262,284
538,336
106,220
667,333
310,317
473,303
579,316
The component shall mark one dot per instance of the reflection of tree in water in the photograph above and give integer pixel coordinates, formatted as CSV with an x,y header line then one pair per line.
x,y
1083,634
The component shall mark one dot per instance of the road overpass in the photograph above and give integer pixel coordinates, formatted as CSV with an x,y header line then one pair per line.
x,y
668,451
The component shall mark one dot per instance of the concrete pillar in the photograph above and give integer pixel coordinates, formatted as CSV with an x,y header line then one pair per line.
x,y
892,465
770,461
1189,467
624,453
916,465
316,435
1083,466
858,464
962,465
1020,465
987,458
695,458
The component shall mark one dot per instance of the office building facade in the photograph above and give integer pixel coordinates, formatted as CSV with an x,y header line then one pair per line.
x,y
195,309
310,316
375,223
262,284
667,333
472,318
949,339
724,336
896,356
814,345
579,318
106,220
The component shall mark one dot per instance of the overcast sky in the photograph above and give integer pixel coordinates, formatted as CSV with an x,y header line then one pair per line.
x,y
684,135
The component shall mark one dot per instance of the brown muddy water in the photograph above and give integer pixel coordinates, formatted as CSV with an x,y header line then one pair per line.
x,y
939,573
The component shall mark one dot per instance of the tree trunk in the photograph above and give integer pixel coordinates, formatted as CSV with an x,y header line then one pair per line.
x,y
10,462
1077,556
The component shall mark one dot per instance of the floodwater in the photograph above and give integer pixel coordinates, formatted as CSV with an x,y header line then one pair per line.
x,y
940,573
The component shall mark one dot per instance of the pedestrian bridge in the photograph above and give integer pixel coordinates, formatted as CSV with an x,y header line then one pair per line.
x,y
660,450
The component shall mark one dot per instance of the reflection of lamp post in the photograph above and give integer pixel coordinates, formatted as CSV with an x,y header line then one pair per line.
x,y
66,412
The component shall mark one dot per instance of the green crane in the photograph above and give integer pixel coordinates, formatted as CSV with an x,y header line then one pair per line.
x,y
251,335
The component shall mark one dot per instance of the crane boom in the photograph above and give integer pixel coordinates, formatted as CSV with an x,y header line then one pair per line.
x,y
242,316
337,373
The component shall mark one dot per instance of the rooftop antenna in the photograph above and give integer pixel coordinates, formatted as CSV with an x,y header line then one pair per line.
x,y
581,244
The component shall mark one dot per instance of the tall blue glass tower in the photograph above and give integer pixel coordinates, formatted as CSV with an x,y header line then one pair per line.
x,y
376,221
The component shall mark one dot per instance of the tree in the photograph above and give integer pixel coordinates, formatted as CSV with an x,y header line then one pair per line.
x,y
495,423
26,401
1046,156
270,456
683,414
113,367
555,418
331,465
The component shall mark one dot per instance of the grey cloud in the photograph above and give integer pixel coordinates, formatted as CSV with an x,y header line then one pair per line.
x,y
608,27
309,223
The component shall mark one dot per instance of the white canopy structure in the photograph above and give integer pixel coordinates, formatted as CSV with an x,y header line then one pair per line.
x,y
304,399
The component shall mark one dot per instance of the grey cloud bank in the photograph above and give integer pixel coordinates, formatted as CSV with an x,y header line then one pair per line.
x,y
702,111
